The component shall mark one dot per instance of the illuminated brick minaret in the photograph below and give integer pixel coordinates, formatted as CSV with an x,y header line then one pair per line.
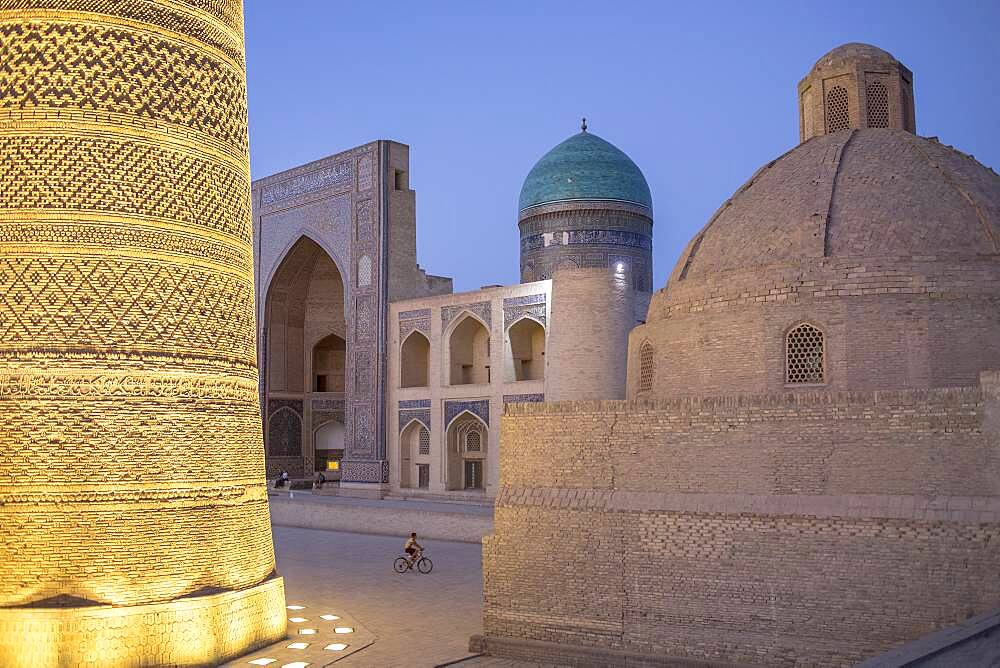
x,y
133,508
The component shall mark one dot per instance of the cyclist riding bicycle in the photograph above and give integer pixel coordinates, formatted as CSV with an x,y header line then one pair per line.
x,y
413,549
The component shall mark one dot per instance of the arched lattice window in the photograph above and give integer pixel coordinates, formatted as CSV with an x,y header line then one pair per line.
x,y
804,355
424,442
647,366
838,112
473,441
878,105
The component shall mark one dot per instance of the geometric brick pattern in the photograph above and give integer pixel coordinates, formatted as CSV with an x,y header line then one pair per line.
x,y
51,63
49,302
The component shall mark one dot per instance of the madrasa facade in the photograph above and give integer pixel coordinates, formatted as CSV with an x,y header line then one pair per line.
x,y
377,374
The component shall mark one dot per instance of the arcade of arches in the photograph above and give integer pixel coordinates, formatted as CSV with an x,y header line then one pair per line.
x,y
305,357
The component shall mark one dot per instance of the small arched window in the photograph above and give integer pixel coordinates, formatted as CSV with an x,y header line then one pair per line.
x,y
424,442
804,356
878,105
647,366
473,441
838,111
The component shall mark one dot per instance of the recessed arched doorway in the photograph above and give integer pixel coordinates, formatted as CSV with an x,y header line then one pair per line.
x,y
468,439
329,442
304,356
415,455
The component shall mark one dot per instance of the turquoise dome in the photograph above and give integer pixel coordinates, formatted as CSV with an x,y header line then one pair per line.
x,y
585,167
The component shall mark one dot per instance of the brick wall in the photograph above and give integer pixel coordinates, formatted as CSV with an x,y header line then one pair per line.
x,y
816,527
888,322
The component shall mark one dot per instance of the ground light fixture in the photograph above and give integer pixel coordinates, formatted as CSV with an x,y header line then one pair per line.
x,y
343,629
336,647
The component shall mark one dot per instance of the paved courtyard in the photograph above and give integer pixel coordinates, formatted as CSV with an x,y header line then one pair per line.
x,y
416,620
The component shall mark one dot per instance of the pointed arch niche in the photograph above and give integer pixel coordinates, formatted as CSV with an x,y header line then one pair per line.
x,y
525,353
468,439
469,352
329,364
329,441
415,361
304,332
414,455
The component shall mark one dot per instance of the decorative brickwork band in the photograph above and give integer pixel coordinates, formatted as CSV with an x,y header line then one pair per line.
x,y
523,398
331,177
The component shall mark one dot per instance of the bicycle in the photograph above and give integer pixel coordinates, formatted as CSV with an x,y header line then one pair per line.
x,y
403,564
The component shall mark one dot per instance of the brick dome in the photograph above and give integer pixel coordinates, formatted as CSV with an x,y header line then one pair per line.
x,y
861,260
855,193
853,51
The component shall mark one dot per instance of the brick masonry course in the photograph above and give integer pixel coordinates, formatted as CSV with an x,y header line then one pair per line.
x,y
818,527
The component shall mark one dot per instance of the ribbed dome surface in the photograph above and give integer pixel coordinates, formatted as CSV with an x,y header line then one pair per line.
x,y
585,167
855,193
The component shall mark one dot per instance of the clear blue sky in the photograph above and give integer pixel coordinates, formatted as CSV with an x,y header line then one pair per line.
x,y
699,94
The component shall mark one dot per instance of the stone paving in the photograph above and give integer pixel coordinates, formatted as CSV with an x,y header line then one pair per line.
x,y
415,620
482,510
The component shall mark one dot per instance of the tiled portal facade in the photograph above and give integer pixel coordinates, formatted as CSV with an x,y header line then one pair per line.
x,y
374,373
334,244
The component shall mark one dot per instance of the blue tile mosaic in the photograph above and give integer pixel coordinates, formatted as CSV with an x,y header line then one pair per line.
x,y
480,408
407,416
417,313
524,300
591,237
482,309
584,167
415,403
